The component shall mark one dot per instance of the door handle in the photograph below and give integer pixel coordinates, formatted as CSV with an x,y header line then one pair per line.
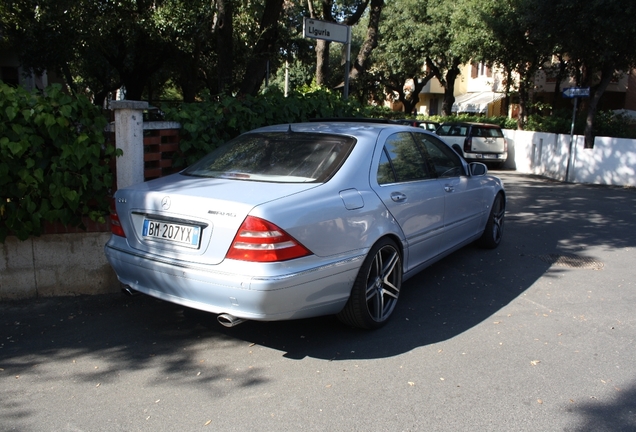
x,y
398,196
449,188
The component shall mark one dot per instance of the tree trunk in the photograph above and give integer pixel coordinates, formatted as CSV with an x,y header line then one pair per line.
x,y
322,47
134,86
188,81
371,41
522,117
136,61
597,91
224,42
264,49
447,82
526,79
322,62
411,102
449,88
559,78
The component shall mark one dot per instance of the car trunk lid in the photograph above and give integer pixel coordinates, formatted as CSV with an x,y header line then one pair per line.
x,y
192,219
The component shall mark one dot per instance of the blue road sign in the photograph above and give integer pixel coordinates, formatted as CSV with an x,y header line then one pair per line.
x,y
575,92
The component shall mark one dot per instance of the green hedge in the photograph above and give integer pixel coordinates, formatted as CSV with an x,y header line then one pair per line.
x,y
54,161
208,124
502,121
606,123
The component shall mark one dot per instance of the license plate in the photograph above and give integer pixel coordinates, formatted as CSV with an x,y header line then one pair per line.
x,y
490,156
186,235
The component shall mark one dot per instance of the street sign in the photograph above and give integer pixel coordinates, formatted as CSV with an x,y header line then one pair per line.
x,y
329,31
576,92
317,29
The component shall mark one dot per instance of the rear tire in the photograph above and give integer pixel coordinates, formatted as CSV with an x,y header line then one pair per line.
x,y
376,289
493,232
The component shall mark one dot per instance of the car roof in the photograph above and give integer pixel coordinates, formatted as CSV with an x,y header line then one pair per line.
x,y
351,127
471,124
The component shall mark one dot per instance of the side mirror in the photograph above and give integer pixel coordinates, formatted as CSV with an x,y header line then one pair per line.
x,y
478,169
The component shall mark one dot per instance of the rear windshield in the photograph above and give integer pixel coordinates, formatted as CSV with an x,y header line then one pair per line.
x,y
488,132
452,130
463,130
429,126
287,157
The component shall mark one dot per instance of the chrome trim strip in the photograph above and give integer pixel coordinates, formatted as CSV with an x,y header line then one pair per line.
x,y
170,219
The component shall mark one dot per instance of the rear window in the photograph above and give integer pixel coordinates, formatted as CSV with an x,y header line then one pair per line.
x,y
287,157
452,130
488,132
429,126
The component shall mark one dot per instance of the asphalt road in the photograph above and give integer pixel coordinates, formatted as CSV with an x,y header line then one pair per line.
x,y
537,335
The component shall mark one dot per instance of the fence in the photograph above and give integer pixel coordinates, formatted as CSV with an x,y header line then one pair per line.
x,y
612,161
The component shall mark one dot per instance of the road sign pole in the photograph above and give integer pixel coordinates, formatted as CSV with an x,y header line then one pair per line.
x,y
576,93
347,64
567,168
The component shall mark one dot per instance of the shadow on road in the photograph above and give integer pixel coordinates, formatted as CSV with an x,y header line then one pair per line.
x,y
617,416
544,219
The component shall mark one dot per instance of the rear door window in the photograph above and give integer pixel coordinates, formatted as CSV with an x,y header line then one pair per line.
x,y
402,161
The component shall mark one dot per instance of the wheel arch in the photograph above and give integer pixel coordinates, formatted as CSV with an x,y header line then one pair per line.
x,y
501,192
398,242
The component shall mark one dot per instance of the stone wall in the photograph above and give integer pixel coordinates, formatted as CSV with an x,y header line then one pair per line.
x,y
55,265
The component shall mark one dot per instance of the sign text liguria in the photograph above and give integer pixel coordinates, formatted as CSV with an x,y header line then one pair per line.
x,y
317,29
318,32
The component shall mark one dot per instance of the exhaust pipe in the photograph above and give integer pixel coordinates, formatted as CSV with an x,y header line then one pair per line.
x,y
227,320
129,291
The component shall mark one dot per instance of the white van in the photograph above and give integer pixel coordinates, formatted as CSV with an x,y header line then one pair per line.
x,y
479,142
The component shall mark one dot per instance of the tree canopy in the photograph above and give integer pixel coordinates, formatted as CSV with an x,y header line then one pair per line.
x,y
211,47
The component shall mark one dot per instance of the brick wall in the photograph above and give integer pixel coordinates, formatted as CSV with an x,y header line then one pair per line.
x,y
160,146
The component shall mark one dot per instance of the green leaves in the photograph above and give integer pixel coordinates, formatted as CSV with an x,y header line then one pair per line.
x,y
10,112
52,147
207,125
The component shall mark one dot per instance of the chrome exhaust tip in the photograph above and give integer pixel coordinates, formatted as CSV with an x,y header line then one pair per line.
x,y
227,320
129,291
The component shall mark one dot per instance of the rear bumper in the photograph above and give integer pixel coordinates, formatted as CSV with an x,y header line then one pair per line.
x,y
278,295
486,157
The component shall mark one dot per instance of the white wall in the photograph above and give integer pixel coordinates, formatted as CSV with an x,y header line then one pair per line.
x,y
612,161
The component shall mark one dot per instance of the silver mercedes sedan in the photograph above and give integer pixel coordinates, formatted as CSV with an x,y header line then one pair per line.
x,y
302,220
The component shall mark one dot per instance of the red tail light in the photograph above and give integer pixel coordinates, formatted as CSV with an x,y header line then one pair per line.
x,y
260,241
505,145
468,144
115,224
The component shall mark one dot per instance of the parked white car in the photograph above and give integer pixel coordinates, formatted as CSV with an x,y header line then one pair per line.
x,y
479,142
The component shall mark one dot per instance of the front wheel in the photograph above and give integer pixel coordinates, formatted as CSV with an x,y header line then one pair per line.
x,y
376,289
493,232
